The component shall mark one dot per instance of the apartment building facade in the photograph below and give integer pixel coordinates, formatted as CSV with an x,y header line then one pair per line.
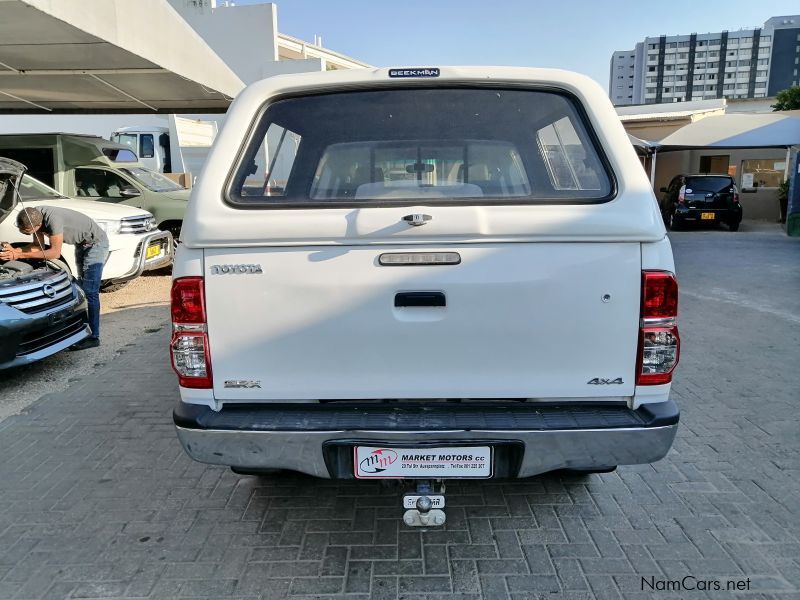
x,y
749,63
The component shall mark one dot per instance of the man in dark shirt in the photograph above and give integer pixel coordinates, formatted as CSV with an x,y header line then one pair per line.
x,y
64,226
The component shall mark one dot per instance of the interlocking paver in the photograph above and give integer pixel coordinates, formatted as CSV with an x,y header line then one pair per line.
x,y
97,499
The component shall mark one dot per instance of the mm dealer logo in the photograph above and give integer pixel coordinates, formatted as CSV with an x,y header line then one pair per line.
x,y
416,72
378,460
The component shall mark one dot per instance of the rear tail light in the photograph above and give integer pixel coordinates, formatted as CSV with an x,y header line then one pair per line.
x,y
189,347
735,194
682,195
659,342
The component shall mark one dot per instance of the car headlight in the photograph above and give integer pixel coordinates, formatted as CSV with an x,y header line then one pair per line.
x,y
110,226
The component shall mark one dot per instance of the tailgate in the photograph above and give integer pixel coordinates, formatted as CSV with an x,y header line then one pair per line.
x,y
520,320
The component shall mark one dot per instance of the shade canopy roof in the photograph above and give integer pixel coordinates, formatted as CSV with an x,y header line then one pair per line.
x,y
107,56
737,130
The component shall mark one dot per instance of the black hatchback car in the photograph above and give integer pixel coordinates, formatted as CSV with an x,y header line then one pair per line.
x,y
701,199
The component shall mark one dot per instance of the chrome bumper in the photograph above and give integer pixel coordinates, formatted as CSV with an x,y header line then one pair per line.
x,y
544,450
141,263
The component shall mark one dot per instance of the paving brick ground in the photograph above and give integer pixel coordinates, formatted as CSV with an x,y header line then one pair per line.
x,y
97,500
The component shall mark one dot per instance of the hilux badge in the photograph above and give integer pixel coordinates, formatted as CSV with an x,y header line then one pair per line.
x,y
243,383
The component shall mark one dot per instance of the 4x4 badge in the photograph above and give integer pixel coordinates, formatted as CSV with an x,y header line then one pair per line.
x,y
599,381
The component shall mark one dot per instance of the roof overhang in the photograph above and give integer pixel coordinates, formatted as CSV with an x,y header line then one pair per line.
x,y
107,56
738,130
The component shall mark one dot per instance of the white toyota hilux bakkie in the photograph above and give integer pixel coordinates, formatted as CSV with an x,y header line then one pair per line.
x,y
424,274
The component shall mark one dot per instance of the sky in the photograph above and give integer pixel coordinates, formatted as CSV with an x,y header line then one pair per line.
x,y
578,35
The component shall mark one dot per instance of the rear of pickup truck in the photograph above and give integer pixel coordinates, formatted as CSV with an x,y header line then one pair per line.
x,y
424,274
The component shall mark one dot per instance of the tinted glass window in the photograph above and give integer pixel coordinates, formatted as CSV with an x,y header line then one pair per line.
x,y
709,184
146,146
120,155
437,145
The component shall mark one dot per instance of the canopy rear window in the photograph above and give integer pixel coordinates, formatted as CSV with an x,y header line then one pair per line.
x,y
388,147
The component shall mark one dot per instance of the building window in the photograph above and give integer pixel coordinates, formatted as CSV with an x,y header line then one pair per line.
x,y
744,63
760,84
668,67
652,57
765,38
652,47
711,76
700,55
683,44
729,86
651,90
713,42
711,88
713,65
713,54
672,45
761,173
763,61
761,73
701,42
653,69
683,55
680,88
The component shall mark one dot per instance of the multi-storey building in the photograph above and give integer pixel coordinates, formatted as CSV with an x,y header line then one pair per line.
x,y
749,63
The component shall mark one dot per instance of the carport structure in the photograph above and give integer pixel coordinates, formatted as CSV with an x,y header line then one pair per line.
x,y
752,141
107,56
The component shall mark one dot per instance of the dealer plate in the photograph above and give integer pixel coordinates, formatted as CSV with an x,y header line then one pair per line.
x,y
707,216
153,250
372,462
410,500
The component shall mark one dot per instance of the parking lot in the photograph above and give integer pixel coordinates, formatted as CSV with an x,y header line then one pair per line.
x,y
98,499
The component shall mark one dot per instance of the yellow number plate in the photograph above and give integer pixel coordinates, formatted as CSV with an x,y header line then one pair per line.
x,y
152,251
707,216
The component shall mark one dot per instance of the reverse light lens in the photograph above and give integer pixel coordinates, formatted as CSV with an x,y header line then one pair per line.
x,y
659,295
659,349
190,359
188,300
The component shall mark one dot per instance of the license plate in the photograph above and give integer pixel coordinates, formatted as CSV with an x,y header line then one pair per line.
x,y
372,462
153,250
410,500
707,216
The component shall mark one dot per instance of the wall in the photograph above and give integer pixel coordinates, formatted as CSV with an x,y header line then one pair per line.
x,y
245,37
783,70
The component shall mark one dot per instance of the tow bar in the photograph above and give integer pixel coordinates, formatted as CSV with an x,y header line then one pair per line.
x,y
424,507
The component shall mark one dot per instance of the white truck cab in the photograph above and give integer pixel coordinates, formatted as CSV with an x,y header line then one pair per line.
x,y
424,274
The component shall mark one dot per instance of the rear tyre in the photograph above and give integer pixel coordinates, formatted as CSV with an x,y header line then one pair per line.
x,y
672,223
255,472
590,471
107,288
734,225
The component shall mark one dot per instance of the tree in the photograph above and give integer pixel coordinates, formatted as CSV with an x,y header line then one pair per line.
x,y
788,99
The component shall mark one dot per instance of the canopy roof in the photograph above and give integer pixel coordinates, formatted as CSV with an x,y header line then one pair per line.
x,y
737,130
110,56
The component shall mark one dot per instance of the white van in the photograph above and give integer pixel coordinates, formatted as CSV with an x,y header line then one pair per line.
x,y
424,274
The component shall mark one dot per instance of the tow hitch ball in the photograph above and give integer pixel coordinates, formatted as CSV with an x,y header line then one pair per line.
x,y
424,507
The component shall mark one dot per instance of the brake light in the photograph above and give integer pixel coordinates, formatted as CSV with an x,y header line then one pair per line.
x,y
189,347
735,195
659,342
682,195
659,295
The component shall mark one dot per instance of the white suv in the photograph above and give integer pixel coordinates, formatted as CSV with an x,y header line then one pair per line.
x,y
135,243
424,274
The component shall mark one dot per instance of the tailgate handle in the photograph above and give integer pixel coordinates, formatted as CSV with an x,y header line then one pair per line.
x,y
419,299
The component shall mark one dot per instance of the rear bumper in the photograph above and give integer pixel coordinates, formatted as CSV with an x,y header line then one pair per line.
x,y
723,215
301,438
